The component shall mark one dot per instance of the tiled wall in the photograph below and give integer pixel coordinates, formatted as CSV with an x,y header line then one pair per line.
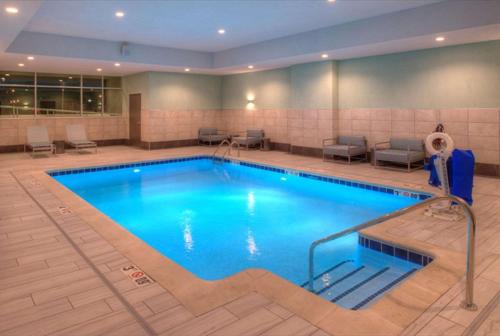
x,y
157,126
476,129
13,131
305,128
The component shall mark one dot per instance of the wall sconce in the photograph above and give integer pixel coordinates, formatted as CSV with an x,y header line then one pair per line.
x,y
250,102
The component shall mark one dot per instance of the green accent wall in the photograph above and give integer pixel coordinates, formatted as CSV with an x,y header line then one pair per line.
x,y
178,91
464,76
271,89
313,85
448,77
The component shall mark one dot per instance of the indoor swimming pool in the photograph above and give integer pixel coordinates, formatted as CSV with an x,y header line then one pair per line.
x,y
219,218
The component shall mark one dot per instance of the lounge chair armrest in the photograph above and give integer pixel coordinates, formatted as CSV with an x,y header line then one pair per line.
x,y
329,141
378,144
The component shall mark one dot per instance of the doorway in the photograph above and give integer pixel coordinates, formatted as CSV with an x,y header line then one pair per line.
x,y
134,115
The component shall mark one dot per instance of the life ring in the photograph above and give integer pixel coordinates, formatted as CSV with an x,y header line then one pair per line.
x,y
446,141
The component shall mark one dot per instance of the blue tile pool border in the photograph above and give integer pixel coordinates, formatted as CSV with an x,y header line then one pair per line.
x,y
319,177
395,250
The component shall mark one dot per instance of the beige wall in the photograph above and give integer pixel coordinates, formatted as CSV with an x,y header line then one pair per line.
x,y
13,131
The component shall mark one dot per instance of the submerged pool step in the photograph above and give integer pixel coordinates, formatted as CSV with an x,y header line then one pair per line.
x,y
355,286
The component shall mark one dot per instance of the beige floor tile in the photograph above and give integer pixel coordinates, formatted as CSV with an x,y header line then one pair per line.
x,y
441,326
294,326
252,324
204,324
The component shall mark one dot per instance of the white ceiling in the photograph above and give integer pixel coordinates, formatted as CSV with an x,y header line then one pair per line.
x,y
193,25
80,36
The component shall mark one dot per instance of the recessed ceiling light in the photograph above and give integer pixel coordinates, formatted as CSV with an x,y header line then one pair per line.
x,y
331,0
119,14
11,10
99,69
324,56
187,69
221,31
30,58
21,64
117,64
440,38
250,66
70,77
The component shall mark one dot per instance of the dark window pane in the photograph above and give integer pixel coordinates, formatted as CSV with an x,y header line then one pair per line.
x,y
16,101
112,82
17,78
56,101
92,81
113,102
92,101
58,80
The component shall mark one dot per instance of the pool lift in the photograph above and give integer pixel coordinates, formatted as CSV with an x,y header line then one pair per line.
x,y
440,145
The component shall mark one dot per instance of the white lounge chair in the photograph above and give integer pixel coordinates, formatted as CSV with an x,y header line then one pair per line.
x,y
38,140
77,137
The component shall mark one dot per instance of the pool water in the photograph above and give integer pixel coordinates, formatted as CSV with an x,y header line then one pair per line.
x,y
217,219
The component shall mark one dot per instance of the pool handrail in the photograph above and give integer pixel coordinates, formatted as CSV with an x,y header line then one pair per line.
x,y
228,150
468,303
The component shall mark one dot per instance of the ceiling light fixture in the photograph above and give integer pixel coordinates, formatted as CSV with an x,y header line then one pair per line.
x,y
187,69
440,38
119,14
99,69
250,66
331,0
117,64
11,10
30,58
21,64
324,56
221,31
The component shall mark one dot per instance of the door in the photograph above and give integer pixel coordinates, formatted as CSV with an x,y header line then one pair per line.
x,y
134,114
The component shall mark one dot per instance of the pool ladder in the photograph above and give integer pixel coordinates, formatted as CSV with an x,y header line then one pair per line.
x,y
468,303
228,149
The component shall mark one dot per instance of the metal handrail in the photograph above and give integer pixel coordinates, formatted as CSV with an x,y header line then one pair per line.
x,y
471,237
220,146
228,150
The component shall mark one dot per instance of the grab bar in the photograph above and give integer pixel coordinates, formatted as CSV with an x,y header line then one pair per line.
x,y
228,150
468,303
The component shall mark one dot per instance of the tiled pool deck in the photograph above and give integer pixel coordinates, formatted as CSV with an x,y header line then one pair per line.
x,y
60,266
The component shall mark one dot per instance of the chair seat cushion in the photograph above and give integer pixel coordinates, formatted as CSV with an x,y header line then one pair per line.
x,y
213,137
247,140
344,150
39,145
398,155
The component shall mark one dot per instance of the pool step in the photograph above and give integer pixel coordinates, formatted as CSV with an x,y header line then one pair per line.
x,y
355,286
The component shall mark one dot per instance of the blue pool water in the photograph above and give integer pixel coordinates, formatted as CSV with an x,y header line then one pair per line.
x,y
217,219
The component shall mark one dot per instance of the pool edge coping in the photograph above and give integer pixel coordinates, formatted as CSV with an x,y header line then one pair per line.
x,y
208,295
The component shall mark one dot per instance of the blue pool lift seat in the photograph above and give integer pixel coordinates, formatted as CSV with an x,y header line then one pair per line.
x,y
210,136
253,138
348,146
401,151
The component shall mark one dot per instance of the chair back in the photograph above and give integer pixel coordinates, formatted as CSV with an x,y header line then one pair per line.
x,y
76,132
255,133
353,140
37,134
207,131
416,145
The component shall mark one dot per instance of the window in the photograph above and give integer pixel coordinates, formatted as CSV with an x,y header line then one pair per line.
x,y
16,101
43,94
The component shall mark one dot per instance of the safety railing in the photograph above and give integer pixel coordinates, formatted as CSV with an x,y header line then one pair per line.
x,y
228,149
468,303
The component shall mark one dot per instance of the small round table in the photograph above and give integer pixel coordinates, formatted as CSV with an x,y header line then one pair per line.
x,y
266,144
